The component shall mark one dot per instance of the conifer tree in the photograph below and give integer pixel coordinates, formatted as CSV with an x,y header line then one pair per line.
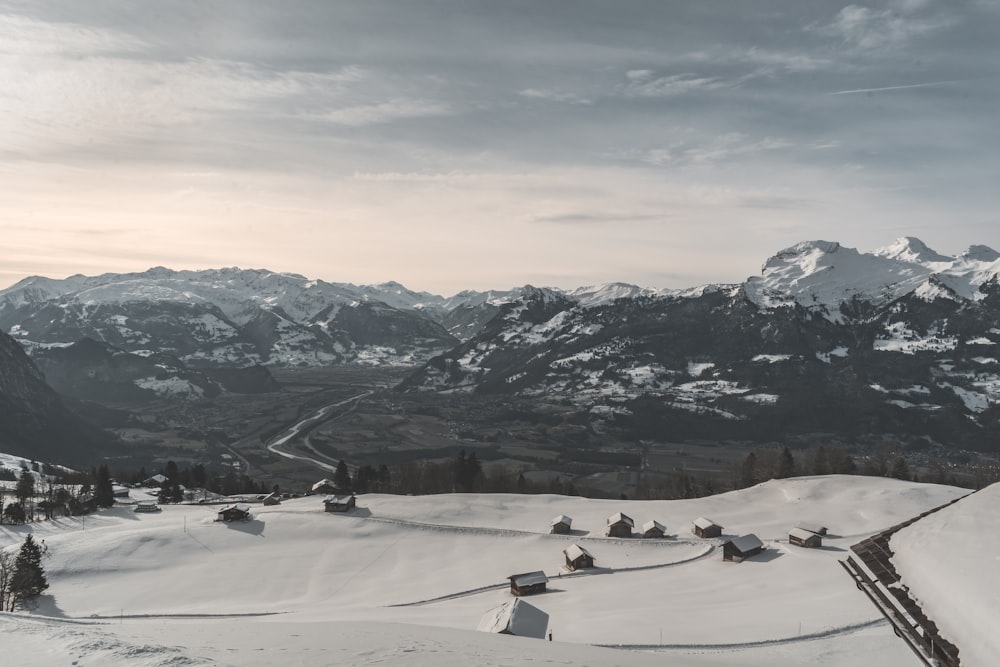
x,y
28,579
104,492
342,477
786,464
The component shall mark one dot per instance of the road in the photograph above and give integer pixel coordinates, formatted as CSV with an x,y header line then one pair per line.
x,y
317,417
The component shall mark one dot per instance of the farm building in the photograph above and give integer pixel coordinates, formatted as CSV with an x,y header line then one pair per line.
x,y
238,512
740,548
272,499
561,525
515,617
577,558
706,528
340,503
148,506
804,538
327,486
619,525
154,482
812,527
653,529
528,583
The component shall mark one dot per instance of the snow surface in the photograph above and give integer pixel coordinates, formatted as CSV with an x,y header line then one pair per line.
x,y
405,581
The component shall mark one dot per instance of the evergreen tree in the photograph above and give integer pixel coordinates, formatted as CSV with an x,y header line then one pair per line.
x,y
786,465
899,469
104,492
14,514
342,476
748,473
28,579
25,490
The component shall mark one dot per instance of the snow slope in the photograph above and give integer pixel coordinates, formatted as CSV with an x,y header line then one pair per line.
x,y
405,580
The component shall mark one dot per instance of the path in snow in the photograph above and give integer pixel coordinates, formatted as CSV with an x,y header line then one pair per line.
x,y
297,428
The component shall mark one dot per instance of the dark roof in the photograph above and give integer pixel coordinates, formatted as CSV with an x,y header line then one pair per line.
x,y
745,543
529,578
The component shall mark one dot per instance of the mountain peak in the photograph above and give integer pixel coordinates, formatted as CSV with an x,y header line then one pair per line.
x,y
910,249
981,253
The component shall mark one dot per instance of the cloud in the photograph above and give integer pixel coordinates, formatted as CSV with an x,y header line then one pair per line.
x,y
930,84
869,29
386,112
710,150
23,36
593,218
647,85
554,96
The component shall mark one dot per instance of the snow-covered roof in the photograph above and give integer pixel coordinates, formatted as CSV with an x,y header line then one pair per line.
x,y
702,522
811,527
651,524
574,551
747,542
323,483
242,507
562,518
338,499
529,578
802,534
517,617
618,517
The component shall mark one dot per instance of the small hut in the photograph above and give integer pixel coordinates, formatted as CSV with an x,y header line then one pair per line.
x,y
812,527
561,525
147,506
801,537
706,528
272,499
653,529
619,525
515,617
340,503
327,486
528,583
237,512
577,558
740,548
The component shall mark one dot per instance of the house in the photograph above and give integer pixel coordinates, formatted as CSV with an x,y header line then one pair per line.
x,y
273,499
237,512
577,558
653,529
619,525
740,548
155,482
561,525
804,538
328,487
528,583
119,491
515,617
148,506
339,503
812,527
706,528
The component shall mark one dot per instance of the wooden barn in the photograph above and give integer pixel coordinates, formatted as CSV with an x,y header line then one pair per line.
x,y
561,525
340,503
706,528
147,506
326,486
812,527
653,529
528,583
740,548
238,512
515,617
577,558
801,537
619,525
272,499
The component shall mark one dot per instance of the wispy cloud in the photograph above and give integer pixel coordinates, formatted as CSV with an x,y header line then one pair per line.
x,y
868,29
710,150
645,83
929,84
594,218
386,112
554,96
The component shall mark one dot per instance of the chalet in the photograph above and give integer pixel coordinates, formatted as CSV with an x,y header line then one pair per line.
x,y
147,506
237,512
515,617
803,538
528,583
339,503
812,527
653,529
154,482
119,491
328,487
740,548
577,558
706,528
619,525
273,499
561,525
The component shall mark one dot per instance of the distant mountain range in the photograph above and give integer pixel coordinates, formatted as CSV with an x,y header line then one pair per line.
x,y
827,339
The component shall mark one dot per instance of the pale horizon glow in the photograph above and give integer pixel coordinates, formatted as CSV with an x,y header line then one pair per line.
x,y
450,146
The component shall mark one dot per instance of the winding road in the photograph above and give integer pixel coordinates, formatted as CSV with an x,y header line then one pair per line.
x,y
315,418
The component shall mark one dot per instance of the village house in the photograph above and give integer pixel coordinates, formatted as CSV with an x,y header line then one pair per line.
x,y
528,583
803,538
577,558
515,617
706,528
619,525
237,512
740,548
154,482
272,499
653,529
326,486
812,527
339,503
561,525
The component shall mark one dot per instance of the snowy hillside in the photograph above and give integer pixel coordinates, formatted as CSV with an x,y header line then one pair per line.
x,y
405,581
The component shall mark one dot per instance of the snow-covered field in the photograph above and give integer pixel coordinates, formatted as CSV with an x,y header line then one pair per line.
x,y
405,580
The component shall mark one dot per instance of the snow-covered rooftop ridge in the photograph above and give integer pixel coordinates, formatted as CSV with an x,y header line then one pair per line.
x,y
824,275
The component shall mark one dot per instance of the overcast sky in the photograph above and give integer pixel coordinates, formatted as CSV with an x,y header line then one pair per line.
x,y
487,144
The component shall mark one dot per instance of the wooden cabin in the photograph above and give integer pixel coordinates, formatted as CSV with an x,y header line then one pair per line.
x,y
740,548
561,525
148,506
619,525
577,558
801,537
528,583
327,486
272,499
653,529
706,528
515,617
340,503
812,527
237,512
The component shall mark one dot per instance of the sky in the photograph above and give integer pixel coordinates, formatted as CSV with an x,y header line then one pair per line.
x,y
472,144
